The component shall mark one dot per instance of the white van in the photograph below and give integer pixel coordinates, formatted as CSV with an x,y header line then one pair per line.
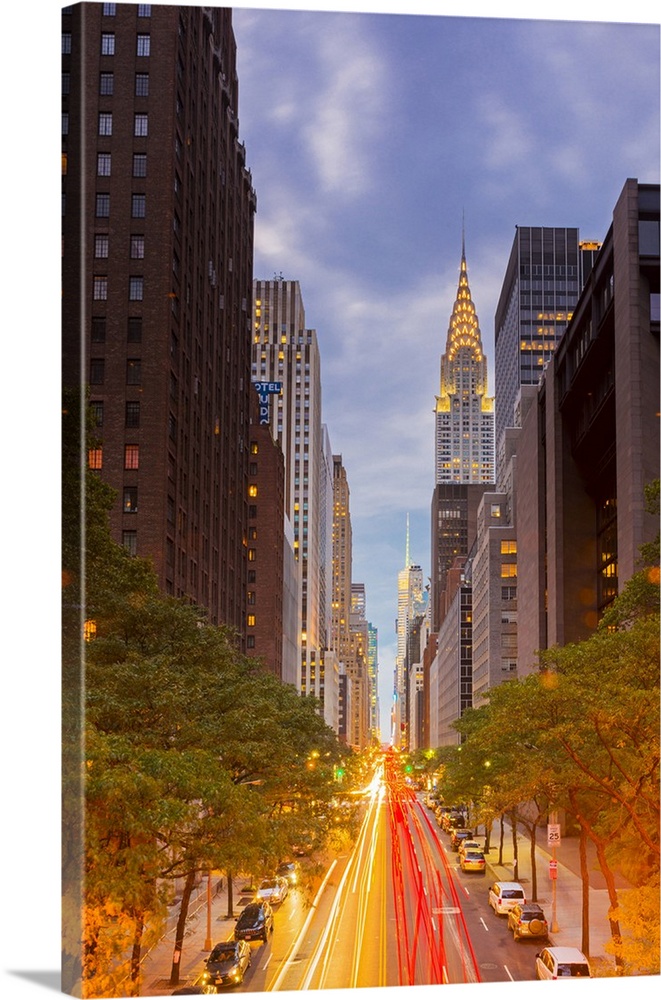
x,y
504,895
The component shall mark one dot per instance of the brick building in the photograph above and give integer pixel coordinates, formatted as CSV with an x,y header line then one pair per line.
x,y
157,229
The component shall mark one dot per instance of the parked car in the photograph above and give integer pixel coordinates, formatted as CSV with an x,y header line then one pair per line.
x,y
273,889
227,963
472,861
256,921
468,845
289,870
527,920
504,895
556,963
458,836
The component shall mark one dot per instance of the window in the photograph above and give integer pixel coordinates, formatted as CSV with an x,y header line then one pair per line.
x,y
98,329
142,84
251,621
109,9
250,642
252,491
65,123
107,84
108,43
134,332
144,10
252,555
133,371
137,247
136,288
105,123
132,414
495,510
141,124
130,500
65,164
138,206
131,456
130,542
95,458
101,245
508,570
143,45
100,287
508,547
66,83
102,206
103,164
139,164
97,371
96,408
66,43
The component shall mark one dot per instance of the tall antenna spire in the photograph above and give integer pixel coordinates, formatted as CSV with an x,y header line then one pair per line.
x,y
407,562
463,235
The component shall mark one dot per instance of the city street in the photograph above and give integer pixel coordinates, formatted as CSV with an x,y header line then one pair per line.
x,y
395,910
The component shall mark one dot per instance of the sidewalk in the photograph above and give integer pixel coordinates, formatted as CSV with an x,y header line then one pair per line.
x,y
568,887
157,963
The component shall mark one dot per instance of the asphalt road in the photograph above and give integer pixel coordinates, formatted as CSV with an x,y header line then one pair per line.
x,y
396,910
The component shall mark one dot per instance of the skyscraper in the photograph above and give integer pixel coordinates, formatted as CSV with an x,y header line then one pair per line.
x,y
157,237
464,411
545,273
411,603
285,351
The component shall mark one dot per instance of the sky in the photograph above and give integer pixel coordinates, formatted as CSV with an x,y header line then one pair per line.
x,y
370,137
367,138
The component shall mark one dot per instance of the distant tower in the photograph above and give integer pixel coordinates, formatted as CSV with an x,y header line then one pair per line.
x,y
464,411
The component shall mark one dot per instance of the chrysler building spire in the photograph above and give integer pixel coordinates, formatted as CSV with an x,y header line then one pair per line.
x,y
464,412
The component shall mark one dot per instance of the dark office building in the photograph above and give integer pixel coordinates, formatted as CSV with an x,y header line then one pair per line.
x,y
591,443
454,529
158,210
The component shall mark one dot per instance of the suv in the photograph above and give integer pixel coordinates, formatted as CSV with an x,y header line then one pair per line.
x,y
503,896
227,964
458,836
556,963
256,921
527,920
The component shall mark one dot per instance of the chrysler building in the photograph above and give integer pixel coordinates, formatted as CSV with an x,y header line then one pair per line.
x,y
464,412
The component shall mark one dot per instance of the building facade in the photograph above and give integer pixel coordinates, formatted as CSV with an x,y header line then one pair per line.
x,y
464,412
545,272
286,352
157,254
590,444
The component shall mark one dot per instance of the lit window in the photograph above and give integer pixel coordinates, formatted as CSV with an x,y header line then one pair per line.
x,y
143,45
95,458
141,125
508,570
101,245
105,123
131,456
252,555
89,630
508,547
144,10
495,510
108,43
65,164
137,247
103,164
251,621
252,491
109,9
130,499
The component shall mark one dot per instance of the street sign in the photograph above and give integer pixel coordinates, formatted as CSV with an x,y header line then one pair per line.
x,y
553,834
553,869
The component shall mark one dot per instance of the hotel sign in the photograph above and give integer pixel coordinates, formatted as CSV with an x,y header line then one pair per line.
x,y
265,390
